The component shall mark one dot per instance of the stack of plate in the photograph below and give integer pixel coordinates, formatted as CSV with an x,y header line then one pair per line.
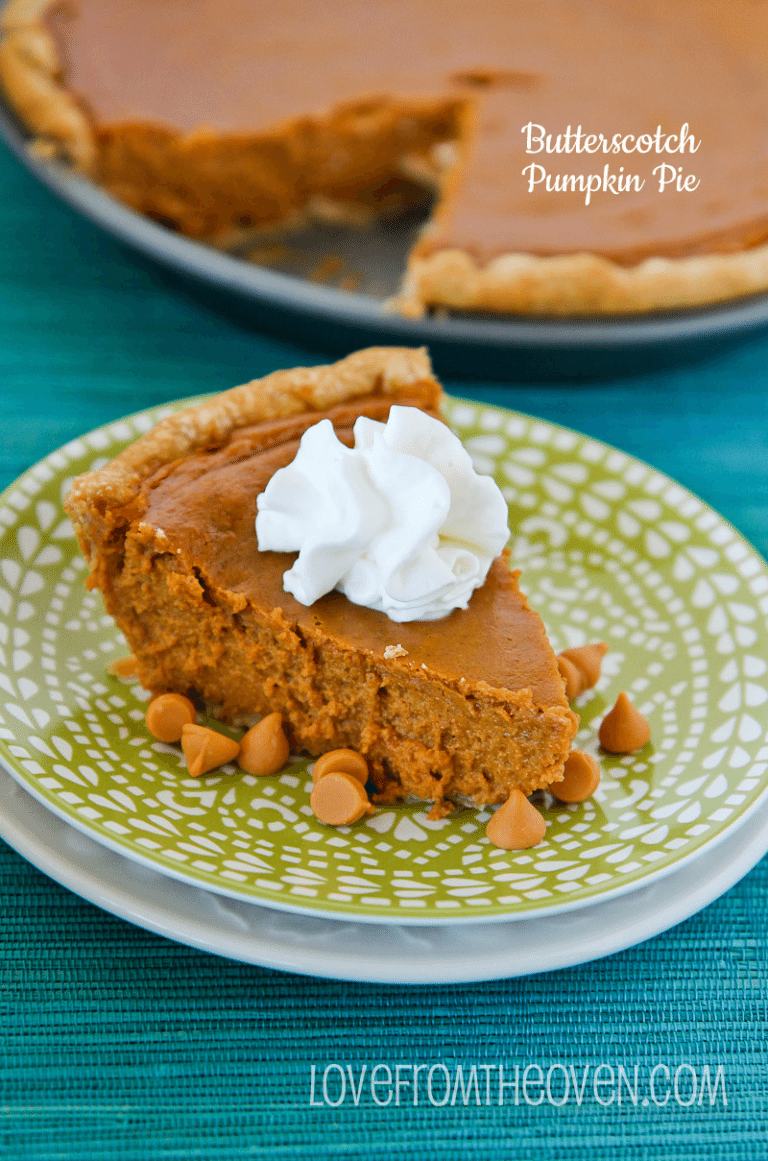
x,y
610,550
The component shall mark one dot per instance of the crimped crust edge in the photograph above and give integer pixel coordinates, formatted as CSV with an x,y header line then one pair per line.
x,y
578,285
389,371
31,77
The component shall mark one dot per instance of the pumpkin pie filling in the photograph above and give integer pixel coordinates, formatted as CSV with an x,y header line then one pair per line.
x,y
442,717
214,115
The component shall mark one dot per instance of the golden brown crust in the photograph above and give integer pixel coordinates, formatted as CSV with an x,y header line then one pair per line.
x,y
31,77
389,371
578,284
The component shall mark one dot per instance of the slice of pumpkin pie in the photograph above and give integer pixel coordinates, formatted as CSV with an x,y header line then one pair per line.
x,y
462,708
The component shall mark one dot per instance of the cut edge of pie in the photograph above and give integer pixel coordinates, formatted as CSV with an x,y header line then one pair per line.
x,y
571,285
428,731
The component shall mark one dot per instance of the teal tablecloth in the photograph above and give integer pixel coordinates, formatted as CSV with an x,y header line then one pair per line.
x,y
117,1043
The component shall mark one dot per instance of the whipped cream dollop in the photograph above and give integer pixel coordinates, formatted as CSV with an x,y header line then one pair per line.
x,y
401,522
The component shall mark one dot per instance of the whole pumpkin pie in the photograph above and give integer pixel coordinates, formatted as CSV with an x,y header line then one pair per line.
x,y
218,115
461,709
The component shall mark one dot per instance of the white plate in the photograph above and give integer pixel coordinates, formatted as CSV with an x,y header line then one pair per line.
x,y
362,951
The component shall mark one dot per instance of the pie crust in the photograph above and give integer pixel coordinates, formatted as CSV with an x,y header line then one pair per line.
x,y
32,78
574,285
168,530
439,275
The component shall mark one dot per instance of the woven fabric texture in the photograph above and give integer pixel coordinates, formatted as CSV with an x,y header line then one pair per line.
x,y
116,1043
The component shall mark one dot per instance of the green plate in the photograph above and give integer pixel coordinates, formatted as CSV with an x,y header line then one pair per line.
x,y
610,550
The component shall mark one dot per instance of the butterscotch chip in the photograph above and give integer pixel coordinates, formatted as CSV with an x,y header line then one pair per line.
x,y
343,762
339,799
581,778
588,660
206,749
264,749
122,667
167,714
624,729
516,825
571,676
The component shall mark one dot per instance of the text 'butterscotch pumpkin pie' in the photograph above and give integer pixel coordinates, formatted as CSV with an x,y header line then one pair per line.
x,y
215,115
463,708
